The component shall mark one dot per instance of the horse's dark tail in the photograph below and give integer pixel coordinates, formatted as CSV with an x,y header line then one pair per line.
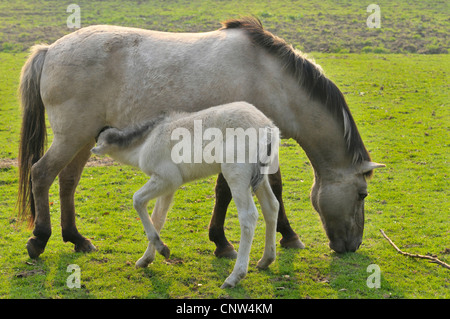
x,y
33,133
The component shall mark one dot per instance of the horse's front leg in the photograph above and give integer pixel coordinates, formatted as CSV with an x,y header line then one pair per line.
x,y
157,186
216,231
68,181
290,239
158,218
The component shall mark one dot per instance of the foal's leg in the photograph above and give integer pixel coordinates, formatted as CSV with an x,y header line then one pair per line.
x,y
155,187
158,218
68,181
269,207
223,197
43,173
248,216
238,177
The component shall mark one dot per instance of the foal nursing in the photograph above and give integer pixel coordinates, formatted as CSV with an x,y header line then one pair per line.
x,y
152,148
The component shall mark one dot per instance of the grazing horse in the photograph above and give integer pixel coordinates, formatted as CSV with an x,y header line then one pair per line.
x,y
115,76
151,148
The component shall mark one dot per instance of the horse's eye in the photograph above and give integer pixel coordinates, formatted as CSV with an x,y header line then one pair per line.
x,y
362,195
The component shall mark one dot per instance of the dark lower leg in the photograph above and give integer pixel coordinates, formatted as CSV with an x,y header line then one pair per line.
x,y
290,239
216,227
42,228
68,181
43,173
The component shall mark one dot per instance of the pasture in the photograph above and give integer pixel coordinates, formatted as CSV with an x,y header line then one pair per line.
x,y
395,80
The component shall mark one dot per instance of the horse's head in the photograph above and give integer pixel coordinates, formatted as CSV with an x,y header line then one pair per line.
x,y
339,200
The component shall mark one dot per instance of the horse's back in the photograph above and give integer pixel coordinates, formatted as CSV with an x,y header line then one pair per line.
x,y
120,75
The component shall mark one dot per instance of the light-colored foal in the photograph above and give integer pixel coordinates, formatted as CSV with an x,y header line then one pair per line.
x,y
149,148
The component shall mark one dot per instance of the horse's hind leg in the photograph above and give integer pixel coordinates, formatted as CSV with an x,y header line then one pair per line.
x,y
43,173
248,216
68,181
269,207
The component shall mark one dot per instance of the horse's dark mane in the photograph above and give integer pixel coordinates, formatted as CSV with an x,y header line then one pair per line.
x,y
310,77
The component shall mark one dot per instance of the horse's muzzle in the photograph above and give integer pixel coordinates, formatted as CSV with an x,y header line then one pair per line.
x,y
341,246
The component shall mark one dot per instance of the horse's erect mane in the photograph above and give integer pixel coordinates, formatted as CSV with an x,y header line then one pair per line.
x,y
310,77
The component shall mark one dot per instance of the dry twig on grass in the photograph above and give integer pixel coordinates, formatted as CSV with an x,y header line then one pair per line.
x,y
431,258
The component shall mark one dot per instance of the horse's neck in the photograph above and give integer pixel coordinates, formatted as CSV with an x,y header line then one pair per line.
x,y
309,123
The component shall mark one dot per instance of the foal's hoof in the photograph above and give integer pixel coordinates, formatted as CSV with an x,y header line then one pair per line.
x,y
227,252
226,285
293,242
264,263
85,247
35,247
142,263
165,251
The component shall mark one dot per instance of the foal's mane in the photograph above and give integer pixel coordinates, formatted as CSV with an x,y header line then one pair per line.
x,y
129,135
310,77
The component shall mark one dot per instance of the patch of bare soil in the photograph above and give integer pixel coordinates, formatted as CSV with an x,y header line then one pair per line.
x,y
8,163
94,161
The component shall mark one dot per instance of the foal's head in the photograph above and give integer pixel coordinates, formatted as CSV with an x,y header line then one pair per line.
x,y
106,141
111,139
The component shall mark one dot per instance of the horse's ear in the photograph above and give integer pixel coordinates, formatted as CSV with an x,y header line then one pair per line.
x,y
366,167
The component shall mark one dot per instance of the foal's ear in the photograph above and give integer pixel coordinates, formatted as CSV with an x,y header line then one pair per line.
x,y
366,167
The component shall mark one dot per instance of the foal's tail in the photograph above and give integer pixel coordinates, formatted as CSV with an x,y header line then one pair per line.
x,y
33,133
267,157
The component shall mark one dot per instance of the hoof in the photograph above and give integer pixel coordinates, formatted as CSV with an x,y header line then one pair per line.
x,y
85,247
165,251
226,285
142,263
293,242
35,247
227,252
264,264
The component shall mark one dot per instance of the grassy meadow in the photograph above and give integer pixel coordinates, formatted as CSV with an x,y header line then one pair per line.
x,y
396,82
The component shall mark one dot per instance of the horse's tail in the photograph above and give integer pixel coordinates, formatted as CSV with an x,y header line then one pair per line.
x,y
267,157
33,133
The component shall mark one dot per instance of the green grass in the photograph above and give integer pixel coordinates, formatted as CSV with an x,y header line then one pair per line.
x,y
326,26
400,103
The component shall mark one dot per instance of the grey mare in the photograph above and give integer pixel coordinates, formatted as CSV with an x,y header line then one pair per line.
x,y
115,76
